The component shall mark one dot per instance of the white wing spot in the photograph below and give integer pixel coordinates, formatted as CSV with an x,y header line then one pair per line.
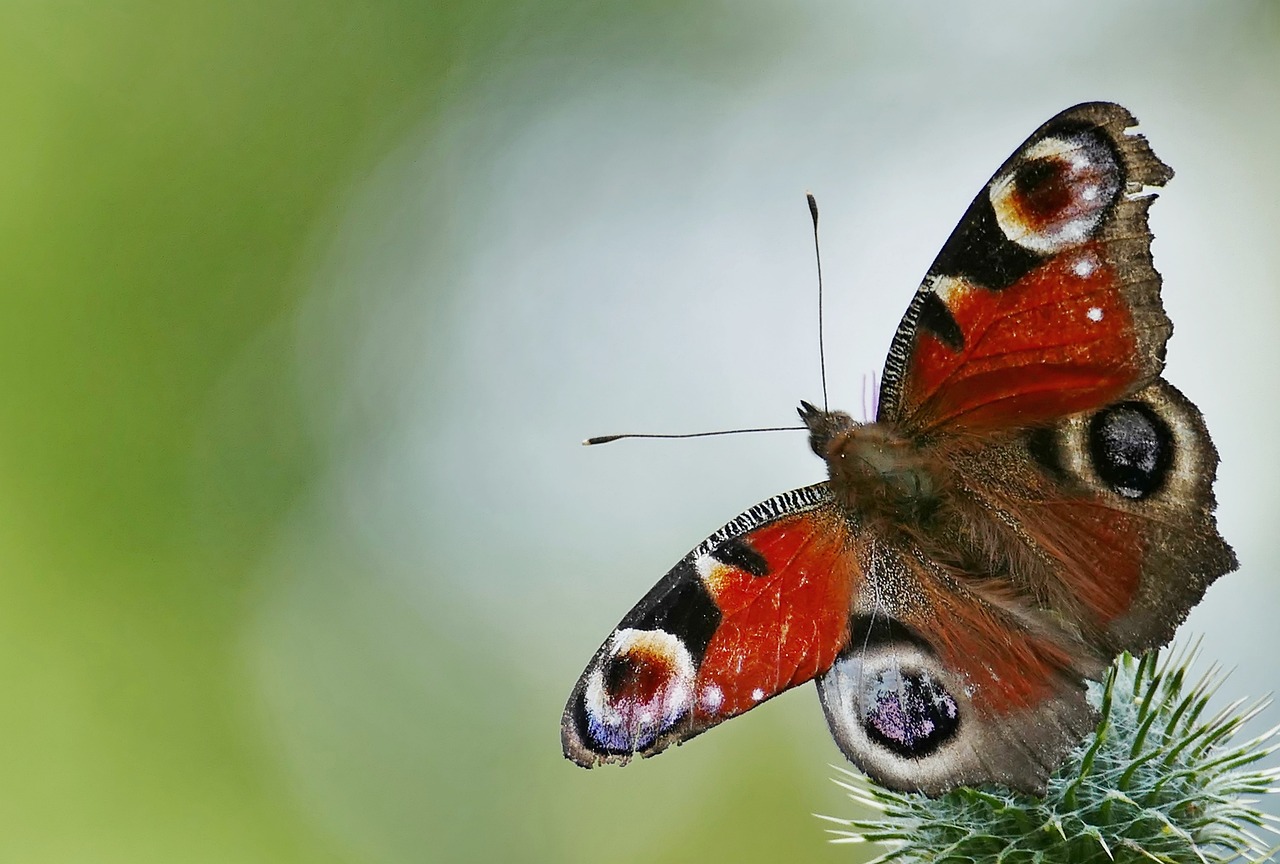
x,y
1094,313
712,697
757,694
1085,265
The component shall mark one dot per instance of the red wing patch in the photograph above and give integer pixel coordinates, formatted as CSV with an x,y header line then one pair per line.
x,y
1101,549
782,624
1059,340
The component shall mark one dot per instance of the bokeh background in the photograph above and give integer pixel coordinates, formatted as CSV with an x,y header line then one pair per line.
x,y
305,306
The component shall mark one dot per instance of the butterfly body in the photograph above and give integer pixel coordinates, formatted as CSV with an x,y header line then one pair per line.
x,y
1031,499
881,473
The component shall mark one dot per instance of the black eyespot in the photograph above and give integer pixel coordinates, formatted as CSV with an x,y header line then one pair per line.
x,y
619,671
910,714
1044,187
1132,449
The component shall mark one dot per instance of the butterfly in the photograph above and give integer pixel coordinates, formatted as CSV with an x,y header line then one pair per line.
x,y
1031,499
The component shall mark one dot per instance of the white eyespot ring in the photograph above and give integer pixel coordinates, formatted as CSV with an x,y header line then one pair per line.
x,y
655,691
1056,193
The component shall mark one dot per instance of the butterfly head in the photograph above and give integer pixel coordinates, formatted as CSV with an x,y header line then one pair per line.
x,y
824,426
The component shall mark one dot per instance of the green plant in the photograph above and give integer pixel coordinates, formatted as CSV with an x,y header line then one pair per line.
x,y
1153,783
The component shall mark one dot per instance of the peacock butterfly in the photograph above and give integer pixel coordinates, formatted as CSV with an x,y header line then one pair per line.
x,y
1031,499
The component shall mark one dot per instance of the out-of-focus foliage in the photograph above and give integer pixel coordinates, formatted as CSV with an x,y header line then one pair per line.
x,y
303,306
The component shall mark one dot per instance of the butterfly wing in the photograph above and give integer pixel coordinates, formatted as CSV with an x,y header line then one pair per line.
x,y
927,679
1043,301
1077,519
946,681
760,606
1118,503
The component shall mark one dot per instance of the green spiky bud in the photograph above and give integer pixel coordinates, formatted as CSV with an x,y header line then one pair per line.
x,y
1155,782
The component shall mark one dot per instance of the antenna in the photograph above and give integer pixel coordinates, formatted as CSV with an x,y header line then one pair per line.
x,y
817,254
822,356
605,439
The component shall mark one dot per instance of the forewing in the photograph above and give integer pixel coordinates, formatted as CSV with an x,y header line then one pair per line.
x,y
761,606
1044,301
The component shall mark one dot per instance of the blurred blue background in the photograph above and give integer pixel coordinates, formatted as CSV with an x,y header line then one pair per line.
x,y
308,305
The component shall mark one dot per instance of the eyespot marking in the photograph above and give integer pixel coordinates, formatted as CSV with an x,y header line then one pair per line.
x,y
910,714
889,704
1132,449
641,688
1057,193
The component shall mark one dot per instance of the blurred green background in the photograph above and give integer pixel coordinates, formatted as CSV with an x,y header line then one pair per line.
x,y
307,304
